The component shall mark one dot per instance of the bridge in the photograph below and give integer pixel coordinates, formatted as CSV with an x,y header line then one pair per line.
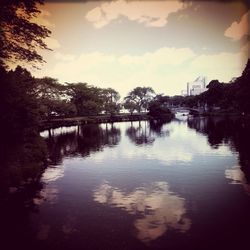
x,y
182,109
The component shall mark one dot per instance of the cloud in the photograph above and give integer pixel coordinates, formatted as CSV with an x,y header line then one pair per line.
x,y
42,19
238,29
160,210
167,56
52,43
67,57
149,13
237,176
122,72
166,70
222,66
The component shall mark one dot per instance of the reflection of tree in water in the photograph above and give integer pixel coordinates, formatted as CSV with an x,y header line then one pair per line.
x,y
157,127
22,159
233,132
145,133
84,140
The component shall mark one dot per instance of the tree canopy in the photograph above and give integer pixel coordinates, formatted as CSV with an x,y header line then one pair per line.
x,y
110,98
140,97
20,36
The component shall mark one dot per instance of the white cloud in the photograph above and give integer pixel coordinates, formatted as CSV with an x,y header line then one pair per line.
x,y
167,56
150,13
122,72
52,43
167,210
167,70
67,57
238,29
42,19
222,66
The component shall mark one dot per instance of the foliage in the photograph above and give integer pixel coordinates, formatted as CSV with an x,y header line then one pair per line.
x,y
52,99
22,151
130,106
234,96
19,108
158,107
242,89
227,97
140,96
20,36
110,98
87,99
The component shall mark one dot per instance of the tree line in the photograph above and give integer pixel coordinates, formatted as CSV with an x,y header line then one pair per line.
x,y
26,100
48,98
230,97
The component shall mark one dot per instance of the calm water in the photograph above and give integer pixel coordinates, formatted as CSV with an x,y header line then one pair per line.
x,y
180,185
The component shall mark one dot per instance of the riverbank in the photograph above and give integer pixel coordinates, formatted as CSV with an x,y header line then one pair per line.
x,y
98,119
74,121
224,113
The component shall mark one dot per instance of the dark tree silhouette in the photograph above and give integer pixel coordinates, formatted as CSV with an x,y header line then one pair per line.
x,y
140,97
20,36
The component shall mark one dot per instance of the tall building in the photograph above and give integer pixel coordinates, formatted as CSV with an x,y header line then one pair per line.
x,y
197,87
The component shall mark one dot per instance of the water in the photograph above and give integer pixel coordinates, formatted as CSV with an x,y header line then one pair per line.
x,y
180,185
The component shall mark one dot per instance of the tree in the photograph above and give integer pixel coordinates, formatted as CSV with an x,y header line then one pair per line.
x,y
158,108
140,96
215,93
242,91
18,108
20,36
87,99
52,99
130,106
110,99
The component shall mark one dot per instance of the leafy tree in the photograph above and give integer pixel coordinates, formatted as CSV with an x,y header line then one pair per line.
x,y
158,107
215,92
177,100
242,85
130,106
52,98
87,99
19,109
140,96
20,36
110,99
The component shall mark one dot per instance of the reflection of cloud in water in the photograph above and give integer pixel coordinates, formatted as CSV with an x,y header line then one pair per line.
x,y
52,174
48,194
159,209
238,177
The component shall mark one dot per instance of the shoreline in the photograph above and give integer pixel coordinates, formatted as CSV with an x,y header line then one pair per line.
x,y
99,119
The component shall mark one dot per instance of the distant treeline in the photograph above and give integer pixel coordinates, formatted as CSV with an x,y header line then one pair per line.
x,y
27,100
226,97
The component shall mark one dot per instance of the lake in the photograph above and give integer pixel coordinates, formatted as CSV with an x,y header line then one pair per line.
x,y
137,185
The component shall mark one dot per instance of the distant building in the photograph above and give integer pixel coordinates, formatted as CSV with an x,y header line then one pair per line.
x,y
196,87
184,92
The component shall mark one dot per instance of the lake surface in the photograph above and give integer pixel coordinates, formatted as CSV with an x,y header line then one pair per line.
x,y
140,185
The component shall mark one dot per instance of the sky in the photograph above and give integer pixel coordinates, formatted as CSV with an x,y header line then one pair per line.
x,y
161,44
